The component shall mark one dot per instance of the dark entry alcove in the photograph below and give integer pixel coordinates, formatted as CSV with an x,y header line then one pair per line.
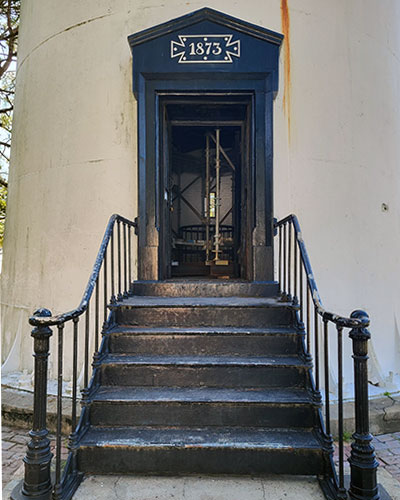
x,y
206,167
197,77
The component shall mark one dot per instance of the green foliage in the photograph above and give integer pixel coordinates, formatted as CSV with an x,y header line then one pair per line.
x,y
9,26
347,436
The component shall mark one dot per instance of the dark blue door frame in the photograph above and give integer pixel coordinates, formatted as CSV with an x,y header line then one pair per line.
x,y
158,71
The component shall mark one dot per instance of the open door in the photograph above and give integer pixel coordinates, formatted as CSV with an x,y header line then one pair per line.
x,y
165,197
205,193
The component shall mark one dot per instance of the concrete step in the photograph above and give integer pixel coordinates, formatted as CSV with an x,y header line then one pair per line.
x,y
203,487
209,371
206,340
206,288
203,311
177,406
208,450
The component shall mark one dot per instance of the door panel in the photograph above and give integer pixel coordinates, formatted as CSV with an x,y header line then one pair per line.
x,y
166,198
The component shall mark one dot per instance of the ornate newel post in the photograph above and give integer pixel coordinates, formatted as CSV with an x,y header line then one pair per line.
x,y
37,484
363,464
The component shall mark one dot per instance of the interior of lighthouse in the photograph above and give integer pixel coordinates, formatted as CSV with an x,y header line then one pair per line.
x,y
205,189
205,173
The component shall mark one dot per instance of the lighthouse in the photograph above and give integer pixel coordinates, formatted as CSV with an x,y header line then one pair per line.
x,y
204,125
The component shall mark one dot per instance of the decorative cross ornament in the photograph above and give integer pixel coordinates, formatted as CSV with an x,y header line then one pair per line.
x,y
205,49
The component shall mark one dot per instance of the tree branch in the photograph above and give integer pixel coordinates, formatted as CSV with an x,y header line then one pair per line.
x,y
4,156
10,40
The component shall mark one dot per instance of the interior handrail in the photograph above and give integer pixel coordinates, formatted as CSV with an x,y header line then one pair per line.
x,y
62,318
342,321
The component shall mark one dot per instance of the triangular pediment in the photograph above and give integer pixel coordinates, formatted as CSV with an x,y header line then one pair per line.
x,y
198,16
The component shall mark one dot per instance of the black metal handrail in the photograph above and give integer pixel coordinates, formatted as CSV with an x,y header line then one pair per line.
x,y
293,266
343,321
75,313
110,280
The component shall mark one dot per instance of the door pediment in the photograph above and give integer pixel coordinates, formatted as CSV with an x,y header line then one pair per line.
x,y
205,42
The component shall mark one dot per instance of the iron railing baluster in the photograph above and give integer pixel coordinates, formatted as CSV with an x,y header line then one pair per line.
x,y
119,260
316,348
308,321
57,493
326,380
105,284
74,374
290,261
96,317
130,256
112,267
73,437
125,262
280,259
295,271
86,365
284,262
301,293
342,490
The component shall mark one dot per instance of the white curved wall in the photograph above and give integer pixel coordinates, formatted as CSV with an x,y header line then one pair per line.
x,y
343,160
74,151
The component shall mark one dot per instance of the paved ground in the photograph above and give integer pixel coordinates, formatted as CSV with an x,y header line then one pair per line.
x,y
14,441
387,449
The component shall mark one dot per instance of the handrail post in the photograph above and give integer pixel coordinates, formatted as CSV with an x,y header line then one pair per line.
x,y
37,482
363,464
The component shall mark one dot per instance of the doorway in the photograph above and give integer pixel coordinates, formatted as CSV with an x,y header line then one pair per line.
x,y
206,189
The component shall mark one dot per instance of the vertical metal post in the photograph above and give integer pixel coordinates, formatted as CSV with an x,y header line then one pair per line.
x,y
341,491
113,300
295,259
105,288
125,261
280,259
130,257
72,442
301,290
316,348
308,331
86,365
74,374
326,380
290,262
284,289
119,259
207,198
57,494
37,483
96,318
363,464
217,193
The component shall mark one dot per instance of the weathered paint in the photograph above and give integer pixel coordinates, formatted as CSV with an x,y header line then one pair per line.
x,y
343,161
285,16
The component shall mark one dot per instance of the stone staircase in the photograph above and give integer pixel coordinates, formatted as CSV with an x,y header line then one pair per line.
x,y
203,377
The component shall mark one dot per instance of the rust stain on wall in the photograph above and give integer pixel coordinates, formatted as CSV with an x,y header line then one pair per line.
x,y
285,18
